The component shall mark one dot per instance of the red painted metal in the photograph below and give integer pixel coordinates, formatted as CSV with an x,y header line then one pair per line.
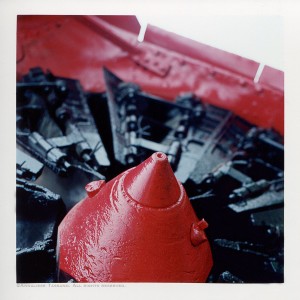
x,y
273,78
187,47
216,57
139,227
165,64
126,22
151,59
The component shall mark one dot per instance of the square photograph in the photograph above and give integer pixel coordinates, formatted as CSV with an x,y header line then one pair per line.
x,y
144,156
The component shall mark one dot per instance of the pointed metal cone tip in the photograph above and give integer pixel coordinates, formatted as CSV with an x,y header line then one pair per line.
x,y
153,183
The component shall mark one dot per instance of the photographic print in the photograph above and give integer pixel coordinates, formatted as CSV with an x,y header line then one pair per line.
x,y
144,157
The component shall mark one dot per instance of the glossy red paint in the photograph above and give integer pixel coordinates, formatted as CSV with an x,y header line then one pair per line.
x,y
218,58
165,64
94,187
197,232
139,227
153,183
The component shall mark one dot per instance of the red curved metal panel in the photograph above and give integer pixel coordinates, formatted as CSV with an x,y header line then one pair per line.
x,y
164,64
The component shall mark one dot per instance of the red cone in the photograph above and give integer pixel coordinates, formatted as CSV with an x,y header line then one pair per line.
x,y
139,227
153,182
